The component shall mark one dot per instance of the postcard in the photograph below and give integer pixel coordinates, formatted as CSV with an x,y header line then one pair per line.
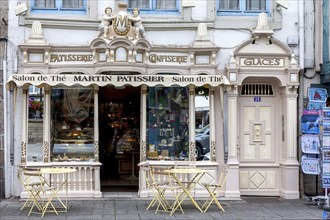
x,y
326,168
310,124
326,142
317,94
310,166
310,144
313,105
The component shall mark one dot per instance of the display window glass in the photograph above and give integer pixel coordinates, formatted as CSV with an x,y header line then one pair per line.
x,y
34,151
202,128
72,124
168,123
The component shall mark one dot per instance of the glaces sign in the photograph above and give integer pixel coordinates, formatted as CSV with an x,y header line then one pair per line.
x,y
262,62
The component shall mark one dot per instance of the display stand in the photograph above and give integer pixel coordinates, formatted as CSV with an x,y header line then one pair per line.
x,y
325,137
316,157
132,176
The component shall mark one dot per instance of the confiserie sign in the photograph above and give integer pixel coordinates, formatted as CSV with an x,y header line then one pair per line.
x,y
117,80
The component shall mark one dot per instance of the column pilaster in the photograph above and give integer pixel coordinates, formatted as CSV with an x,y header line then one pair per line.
x,y
232,183
289,165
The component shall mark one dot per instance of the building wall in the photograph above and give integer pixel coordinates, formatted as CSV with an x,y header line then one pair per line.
x,y
3,46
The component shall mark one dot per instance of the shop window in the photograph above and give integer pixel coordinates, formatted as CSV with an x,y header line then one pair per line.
x,y
34,151
242,7
59,6
167,123
202,129
154,6
72,124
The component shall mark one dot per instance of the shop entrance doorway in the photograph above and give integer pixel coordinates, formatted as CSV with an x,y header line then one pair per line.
x,y
119,138
259,121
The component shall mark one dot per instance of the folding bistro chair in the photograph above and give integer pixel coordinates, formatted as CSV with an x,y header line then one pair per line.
x,y
36,186
151,185
161,182
214,190
29,186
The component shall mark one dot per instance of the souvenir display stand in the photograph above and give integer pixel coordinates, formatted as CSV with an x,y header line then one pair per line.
x,y
316,156
325,137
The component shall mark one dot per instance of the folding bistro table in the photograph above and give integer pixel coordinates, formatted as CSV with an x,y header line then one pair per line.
x,y
53,195
186,187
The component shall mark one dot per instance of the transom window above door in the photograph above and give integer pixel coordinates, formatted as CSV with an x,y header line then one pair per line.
x,y
242,7
58,6
154,6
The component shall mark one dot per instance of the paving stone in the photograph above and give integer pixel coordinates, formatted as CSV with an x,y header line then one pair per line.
x,y
119,208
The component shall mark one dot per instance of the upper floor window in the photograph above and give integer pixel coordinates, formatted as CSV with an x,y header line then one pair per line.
x,y
62,6
154,6
247,7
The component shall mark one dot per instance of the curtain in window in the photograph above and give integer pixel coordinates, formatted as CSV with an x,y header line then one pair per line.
x,y
229,5
75,102
141,4
44,3
255,5
165,4
73,4
159,4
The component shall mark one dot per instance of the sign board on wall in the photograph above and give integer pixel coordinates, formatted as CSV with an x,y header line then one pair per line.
x,y
182,59
262,62
70,58
116,80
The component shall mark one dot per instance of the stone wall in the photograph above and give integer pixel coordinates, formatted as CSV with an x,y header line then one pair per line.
x,y
312,185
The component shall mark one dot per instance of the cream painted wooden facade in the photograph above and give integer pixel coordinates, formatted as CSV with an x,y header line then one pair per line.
x,y
259,131
262,110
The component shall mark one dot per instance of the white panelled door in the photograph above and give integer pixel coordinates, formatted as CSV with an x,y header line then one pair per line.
x,y
259,169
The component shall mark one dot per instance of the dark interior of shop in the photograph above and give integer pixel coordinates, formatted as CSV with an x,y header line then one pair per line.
x,y
119,125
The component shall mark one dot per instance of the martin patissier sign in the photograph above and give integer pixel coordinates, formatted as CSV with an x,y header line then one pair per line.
x,y
116,80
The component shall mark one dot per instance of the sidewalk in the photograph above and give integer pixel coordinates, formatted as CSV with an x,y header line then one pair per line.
x,y
135,208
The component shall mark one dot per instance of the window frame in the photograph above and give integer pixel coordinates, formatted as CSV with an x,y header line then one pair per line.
x,y
242,11
153,9
71,141
34,146
58,9
155,112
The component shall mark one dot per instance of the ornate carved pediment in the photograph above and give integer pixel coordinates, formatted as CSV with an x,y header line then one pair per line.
x,y
37,37
121,23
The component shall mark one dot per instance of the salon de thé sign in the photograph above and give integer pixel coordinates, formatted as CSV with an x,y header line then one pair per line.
x,y
117,80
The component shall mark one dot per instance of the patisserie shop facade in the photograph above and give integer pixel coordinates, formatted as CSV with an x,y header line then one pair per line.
x,y
113,104
117,103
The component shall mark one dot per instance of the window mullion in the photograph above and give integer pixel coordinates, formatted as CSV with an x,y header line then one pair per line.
x,y
152,4
59,4
242,5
